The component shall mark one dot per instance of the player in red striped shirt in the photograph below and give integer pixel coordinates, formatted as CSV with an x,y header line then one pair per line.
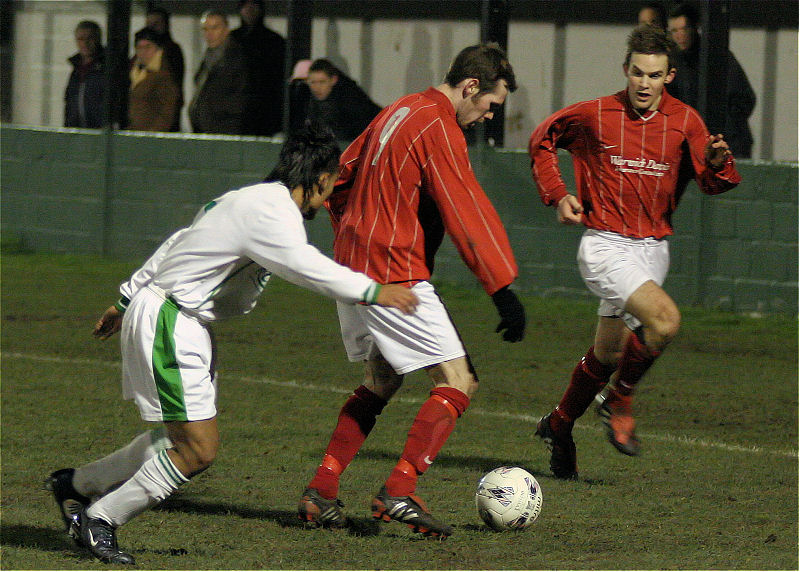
x,y
405,182
633,153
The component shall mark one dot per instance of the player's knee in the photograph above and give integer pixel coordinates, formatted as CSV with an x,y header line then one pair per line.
x,y
205,458
608,356
663,329
455,376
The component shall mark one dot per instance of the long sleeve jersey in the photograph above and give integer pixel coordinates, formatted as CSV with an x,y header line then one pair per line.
x,y
405,181
217,267
630,170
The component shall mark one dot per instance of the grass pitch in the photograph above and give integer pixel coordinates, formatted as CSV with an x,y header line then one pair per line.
x,y
716,486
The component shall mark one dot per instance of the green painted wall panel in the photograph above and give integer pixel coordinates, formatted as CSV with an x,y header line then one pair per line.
x,y
61,192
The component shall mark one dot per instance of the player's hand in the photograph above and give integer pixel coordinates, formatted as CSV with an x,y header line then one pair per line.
x,y
512,315
717,151
397,296
570,210
108,324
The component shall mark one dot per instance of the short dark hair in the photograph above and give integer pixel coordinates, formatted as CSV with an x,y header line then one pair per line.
x,y
324,66
161,12
687,11
649,39
259,3
309,152
149,35
485,62
93,27
659,9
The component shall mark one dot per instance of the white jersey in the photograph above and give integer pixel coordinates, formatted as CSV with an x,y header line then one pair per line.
x,y
217,267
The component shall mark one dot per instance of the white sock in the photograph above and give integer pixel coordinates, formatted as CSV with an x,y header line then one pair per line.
x,y
99,477
155,480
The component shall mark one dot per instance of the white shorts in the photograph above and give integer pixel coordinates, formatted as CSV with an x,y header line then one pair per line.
x,y
614,266
408,342
167,360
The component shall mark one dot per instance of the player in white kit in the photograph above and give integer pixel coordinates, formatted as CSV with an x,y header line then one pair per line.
x,y
214,269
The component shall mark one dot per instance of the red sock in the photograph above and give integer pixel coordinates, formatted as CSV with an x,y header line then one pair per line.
x,y
431,428
356,420
588,378
635,361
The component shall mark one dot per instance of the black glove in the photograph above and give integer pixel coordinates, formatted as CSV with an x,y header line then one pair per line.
x,y
512,315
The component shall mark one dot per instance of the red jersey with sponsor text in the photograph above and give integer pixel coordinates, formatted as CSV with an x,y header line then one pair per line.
x,y
630,169
405,181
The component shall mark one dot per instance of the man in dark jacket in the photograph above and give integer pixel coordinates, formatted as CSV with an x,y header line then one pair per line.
x,y
683,27
266,54
338,102
221,85
83,99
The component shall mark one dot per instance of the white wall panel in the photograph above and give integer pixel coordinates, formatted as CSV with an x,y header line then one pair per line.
x,y
390,58
530,50
785,134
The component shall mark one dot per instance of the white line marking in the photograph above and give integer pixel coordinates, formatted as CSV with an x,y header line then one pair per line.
x,y
667,438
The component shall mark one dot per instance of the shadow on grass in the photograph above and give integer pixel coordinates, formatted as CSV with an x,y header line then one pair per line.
x,y
284,518
481,464
37,537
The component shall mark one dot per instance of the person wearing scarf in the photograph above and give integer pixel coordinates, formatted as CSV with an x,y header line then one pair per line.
x,y
153,101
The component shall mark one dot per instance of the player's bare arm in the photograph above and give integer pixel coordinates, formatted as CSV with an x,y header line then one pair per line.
x,y
569,210
108,324
716,151
397,296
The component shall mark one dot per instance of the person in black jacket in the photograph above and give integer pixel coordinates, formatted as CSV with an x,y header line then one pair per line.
x,y
683,27
337,101
83,99
221,85
266,54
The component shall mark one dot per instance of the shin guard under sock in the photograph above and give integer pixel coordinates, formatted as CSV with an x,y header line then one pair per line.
x,y
588,378
356,419
635,361
155,480
100,476
429,432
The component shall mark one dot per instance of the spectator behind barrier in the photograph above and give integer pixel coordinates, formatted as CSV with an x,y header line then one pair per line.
x,y
265,51
153,97
654,14
221,85
683,27
337,101
83,99
157,19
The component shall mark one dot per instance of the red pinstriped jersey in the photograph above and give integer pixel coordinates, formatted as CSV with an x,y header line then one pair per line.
x,y
630,169
405,181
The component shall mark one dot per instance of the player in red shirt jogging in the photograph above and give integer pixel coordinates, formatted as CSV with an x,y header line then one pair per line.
x,y
633,152
405,181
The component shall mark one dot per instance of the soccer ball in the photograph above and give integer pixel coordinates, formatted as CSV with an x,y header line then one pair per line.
x,y
508,498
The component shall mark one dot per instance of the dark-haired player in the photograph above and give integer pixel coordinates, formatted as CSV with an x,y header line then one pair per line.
x,y
214,269
633,152
405,182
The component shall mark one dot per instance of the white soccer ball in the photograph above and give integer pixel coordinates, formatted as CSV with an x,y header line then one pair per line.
x,y
508,498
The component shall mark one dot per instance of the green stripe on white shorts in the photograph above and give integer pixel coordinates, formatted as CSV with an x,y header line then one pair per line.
x,y
165,364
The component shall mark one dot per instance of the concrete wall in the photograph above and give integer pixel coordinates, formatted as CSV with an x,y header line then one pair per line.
x,y
121,194
556,65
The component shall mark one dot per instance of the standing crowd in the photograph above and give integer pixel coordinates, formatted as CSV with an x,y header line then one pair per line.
x,y
396,190
238,86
